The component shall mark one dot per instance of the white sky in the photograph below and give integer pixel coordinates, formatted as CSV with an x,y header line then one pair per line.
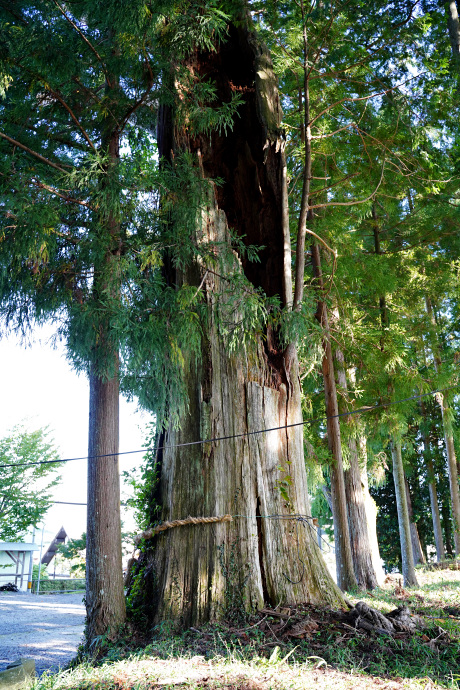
x,y
40,389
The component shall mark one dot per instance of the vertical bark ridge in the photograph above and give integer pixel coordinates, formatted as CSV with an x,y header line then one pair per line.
x,y
417,550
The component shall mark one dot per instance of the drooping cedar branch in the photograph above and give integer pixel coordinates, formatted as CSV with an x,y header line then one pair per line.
x,y
33,153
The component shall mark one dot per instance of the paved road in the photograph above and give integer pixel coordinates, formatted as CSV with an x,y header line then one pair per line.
x,y
47,628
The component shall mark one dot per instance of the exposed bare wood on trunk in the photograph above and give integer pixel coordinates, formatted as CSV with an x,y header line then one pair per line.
x,y
356,507
408,569
202,570
345,574
263,556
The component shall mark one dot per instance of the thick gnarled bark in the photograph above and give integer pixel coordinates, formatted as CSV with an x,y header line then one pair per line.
x,y
264,555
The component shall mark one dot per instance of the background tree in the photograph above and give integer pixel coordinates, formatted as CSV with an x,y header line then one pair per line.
x,y
370,181
26,491
74,550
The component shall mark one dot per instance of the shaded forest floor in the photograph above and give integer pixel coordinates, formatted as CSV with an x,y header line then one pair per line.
x,y
292,648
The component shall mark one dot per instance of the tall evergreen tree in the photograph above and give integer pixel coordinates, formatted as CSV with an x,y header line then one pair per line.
x,y
79,227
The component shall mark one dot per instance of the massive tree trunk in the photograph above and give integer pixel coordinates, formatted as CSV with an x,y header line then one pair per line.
x,y
356,507
408,569
345,573
435,513
265,554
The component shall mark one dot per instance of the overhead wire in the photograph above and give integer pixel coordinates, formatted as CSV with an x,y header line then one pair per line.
x,y
244,434
63,503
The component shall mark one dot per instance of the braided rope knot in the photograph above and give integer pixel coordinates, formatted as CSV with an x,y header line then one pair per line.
x,y
148,534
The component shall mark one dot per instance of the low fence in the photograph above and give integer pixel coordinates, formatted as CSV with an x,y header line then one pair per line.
x,y
56,586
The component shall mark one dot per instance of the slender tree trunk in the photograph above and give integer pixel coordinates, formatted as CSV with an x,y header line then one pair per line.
x,y
417,551
408,568
356,507
437,529
370,505
345,573
453,25
453,472
265,554
449,440
447,524
357,518
382,298
105,602
371,514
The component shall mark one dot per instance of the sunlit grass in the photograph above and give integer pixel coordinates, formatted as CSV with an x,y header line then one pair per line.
x,y
221,657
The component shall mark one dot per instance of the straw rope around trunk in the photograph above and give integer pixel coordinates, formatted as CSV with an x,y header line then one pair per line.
x,y
149,533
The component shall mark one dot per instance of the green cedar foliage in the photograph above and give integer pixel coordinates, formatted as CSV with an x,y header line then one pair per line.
x,y
383,118
84,232
25,492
